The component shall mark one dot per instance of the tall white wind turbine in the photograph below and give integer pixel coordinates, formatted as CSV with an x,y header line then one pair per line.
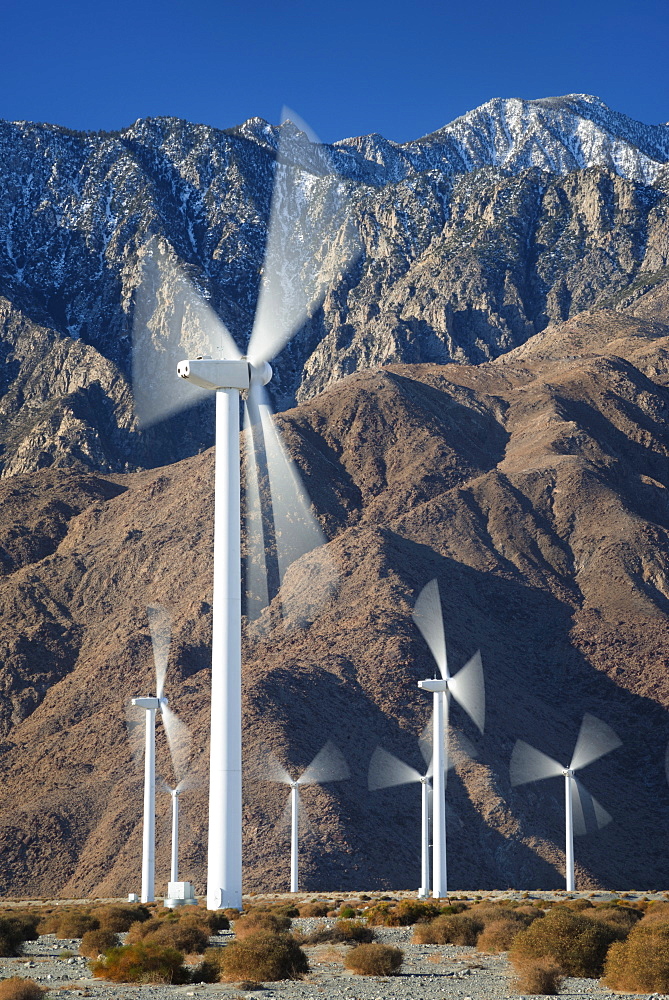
x,y
177,736
582,811
309,246
468,690
327,765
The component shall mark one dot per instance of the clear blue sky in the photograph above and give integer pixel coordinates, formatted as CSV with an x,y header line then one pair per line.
x,y
348,67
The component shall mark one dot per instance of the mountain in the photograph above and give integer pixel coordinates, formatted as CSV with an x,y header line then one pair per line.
x,y
534,487
472,240
482,397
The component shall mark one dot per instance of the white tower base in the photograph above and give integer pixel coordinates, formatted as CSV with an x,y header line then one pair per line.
x,y
180,894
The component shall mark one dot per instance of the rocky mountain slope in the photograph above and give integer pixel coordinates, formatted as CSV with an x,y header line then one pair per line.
x,y
472,239
533,486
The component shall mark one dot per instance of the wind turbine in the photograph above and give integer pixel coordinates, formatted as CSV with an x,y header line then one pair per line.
x,y
307,250
388,771
468,690
159,626
327,765
595,738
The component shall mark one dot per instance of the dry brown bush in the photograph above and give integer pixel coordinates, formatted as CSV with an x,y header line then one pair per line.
x,y
95,943
458,928
538,976
576,943
640,964
498,935
374,960
261,921
16,988
343,932
120,918
141,963
315,909
75,923
262,958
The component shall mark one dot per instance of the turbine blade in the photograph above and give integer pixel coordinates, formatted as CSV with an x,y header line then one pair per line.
x,y
135,721
172,320
468,689
387,771
328,765
161,636
528,764
274,771
429,620
179,740
595,739
588,814
295,530
310,241
425,744
283,824
256,585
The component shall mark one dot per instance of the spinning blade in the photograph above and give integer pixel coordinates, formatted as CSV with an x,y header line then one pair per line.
x,y
528,764
595,739
171,320
161,636
430,622
468,689
328,765
588,814
275,771
135,721
387,771
179,740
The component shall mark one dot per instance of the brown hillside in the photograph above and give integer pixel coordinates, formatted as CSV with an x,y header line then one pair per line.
x,y
534,487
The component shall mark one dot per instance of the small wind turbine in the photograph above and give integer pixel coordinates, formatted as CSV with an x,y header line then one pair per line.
x,y
327,765
307,250
468,690
159,626
582,810
388,771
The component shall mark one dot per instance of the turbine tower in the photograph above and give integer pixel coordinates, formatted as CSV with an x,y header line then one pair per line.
x,y
308,249
468,690
327,765
582,810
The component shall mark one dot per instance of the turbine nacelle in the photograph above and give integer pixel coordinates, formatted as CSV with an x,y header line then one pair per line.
x,y
222,373
147,702
434,685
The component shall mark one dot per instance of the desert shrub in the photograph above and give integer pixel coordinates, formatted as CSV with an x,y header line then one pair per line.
x,y
285,910
346,912
212,920
120,918
498,936
656,912
640,964
25,923
458,928
576,904
263,957
374,960
95,943
16,988
489,913
49,923
257,921
11,937
577,943
139,930
208,970
622,918
539,976
187,936
314,909
141,963
75,923
343,932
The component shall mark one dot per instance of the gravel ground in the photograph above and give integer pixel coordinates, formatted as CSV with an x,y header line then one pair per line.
x,y
429,972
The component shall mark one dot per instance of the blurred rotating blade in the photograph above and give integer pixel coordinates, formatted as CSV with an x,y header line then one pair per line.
x,y
275,771
255,562
172,320
161,636
179,740
387,771
425,745
588,814
283,527
328,765
311,241
468,689
528,764
595,739
135,721
430,622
